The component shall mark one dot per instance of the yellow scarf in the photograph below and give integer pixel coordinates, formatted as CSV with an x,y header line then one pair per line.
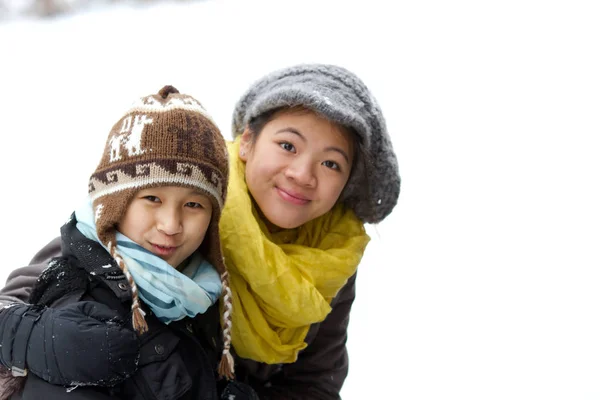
x,y
283,282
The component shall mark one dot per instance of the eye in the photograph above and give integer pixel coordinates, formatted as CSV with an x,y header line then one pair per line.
x,y
152,199
331,164
287,146
193,204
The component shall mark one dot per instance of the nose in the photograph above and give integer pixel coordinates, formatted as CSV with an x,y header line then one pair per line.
x,y
168,221
302,172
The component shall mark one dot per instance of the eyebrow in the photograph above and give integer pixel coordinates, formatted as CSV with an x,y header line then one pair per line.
x,y
194,192
330,148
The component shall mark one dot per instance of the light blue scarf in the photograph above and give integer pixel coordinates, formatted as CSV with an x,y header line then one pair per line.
x,y
170,294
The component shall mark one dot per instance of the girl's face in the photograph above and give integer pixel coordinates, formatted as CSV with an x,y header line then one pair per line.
x,y
296,167
169,221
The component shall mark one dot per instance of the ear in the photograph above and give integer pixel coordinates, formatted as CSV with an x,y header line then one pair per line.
x,y
245,144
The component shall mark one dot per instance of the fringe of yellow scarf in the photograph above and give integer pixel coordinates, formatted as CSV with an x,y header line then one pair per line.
x,y
282,283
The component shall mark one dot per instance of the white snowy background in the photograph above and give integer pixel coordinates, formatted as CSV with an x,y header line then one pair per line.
x,y
484,283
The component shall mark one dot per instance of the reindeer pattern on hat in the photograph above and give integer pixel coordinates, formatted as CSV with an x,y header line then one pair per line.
x,y
130,136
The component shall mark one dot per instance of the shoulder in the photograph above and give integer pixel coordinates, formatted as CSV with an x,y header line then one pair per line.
x,y
21,280
60,278
347,293
49,251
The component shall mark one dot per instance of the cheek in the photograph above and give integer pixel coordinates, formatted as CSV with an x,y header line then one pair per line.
x,y
199,227
138,222
128,227
254,171
333,189
264,164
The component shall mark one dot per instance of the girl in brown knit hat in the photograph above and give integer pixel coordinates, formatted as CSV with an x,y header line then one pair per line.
x,y
144,251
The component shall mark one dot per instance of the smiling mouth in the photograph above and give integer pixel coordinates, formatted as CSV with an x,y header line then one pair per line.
x,y
163,250
292,198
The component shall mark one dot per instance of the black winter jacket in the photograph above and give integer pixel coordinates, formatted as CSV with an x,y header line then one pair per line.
x,y
318,374
176,361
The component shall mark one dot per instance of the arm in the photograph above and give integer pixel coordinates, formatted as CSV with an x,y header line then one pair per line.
x,y
20,281
322,367
17,289
76,344
35,388
81,329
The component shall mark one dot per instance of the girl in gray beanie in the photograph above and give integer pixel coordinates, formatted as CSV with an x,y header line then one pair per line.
x,y
341,97
310,164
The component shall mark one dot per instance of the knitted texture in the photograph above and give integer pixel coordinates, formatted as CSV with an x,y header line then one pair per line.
x,y
340,96
165,139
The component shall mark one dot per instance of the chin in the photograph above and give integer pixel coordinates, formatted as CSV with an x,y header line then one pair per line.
x,y
284,223
289,225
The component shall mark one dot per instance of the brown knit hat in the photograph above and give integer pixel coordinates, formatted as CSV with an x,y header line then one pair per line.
x,y
166,139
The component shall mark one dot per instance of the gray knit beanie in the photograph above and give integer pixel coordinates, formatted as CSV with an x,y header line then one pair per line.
x,y
336,93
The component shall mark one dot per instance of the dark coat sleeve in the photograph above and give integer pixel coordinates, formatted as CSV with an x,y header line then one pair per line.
x,y
36,388
74,344
322,367
21,280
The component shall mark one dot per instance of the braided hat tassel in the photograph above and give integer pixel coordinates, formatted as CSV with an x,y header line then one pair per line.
x,y
226,365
